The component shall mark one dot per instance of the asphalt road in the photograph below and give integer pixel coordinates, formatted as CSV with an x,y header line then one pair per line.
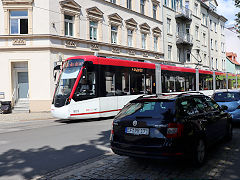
x,y
31,149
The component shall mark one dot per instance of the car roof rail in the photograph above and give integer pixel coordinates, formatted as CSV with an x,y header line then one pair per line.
x,y
189,92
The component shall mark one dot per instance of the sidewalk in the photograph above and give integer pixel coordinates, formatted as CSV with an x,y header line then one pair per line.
x,y
18,117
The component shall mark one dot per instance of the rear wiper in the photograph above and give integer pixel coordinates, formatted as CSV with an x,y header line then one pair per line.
x,y
142,117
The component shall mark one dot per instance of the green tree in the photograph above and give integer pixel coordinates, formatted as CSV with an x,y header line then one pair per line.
x,y
237,3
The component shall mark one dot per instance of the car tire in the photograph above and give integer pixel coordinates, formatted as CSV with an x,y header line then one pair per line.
x,y
199,153
229,133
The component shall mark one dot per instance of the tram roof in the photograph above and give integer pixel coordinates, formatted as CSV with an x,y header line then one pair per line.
x,y
137,64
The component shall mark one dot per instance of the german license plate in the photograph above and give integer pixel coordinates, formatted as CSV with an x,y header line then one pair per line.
x,y
137,131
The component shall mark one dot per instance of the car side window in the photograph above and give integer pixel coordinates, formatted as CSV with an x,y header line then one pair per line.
x,y
187,107
200,105
211,105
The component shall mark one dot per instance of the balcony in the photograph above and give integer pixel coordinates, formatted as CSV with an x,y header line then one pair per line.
x,y
184,14
212,7
184,39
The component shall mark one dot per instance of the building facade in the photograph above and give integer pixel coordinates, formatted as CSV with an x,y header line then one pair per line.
x,y
194,34
36,35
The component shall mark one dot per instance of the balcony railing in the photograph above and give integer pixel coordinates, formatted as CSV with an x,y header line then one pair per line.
x,y
184,38
184,13
212,6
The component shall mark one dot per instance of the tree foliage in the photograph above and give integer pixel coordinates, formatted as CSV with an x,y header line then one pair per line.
x,y
237,4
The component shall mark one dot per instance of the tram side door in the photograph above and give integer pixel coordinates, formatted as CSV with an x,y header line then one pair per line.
x,y
108,98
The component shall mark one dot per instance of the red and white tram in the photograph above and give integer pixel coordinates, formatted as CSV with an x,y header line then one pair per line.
x,y
93,87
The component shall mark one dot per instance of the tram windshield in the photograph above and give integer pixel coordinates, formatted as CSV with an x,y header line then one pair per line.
x,y
67,79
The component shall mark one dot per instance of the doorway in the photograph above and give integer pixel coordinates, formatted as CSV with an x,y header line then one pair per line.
x,y
23,85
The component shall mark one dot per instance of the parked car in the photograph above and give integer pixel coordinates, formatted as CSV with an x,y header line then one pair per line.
x,y
159,126
231,99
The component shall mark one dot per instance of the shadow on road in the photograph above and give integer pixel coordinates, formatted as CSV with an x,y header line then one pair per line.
x,y
34,162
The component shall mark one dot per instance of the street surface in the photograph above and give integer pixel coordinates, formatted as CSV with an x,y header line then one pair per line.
x,y
50,149
31,149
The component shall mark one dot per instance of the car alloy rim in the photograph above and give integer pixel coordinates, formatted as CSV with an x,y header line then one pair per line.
x,y
201,151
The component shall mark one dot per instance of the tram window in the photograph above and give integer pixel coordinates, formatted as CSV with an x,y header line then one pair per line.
x,y
137,83
110,83
122,83
86,86
148,84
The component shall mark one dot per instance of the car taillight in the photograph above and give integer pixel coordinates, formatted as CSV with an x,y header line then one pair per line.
x,y
112,132
174,130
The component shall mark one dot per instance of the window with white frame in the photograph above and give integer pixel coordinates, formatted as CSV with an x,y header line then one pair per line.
x,y
129,4
113,1
212,63
154,11
93,30
205,58
197,32
216,46
179,54
211,43
196,9
130,37
204,39
169,52
168,26
144,37
19,22
211,25
68,24
187,4
155,39
142,5
114,30
173,2
188,54
216,63
215,27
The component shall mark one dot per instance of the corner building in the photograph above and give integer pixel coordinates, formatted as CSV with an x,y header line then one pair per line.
x,y
36,35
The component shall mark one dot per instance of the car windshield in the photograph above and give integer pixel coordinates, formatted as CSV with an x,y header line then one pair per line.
x,y
227,96
163,110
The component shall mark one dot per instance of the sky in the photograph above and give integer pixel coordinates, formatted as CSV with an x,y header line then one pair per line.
x,y
227,9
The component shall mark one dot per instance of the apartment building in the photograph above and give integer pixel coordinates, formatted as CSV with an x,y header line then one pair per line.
x,y
35,35
194,34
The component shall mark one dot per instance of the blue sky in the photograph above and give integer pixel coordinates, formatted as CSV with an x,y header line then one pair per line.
x,y
228,10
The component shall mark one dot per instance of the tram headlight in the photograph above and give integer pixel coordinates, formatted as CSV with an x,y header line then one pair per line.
x,y
68,101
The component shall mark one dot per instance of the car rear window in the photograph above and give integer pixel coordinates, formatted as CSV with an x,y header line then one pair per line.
x,y
161,110
227,96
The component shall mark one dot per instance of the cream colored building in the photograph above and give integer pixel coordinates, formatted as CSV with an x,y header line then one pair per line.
x,y
194,34
35,35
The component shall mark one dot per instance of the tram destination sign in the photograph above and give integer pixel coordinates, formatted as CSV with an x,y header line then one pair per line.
x,y
137,70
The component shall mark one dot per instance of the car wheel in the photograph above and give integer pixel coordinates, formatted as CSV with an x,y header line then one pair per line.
x,y
199,153
229,132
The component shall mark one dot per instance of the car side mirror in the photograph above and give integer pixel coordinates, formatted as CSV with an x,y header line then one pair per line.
x,y
224,107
